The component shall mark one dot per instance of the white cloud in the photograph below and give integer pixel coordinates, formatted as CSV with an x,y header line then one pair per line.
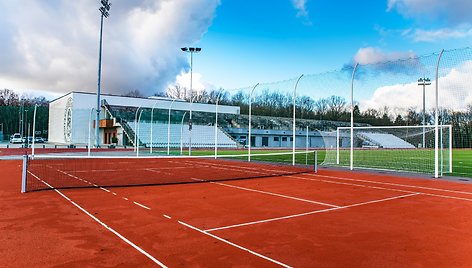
x,y
453,11
53,45
371,55
454,93
198,83
420,35
300,6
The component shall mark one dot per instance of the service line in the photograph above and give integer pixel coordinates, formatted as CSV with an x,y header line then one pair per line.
x,y
309,213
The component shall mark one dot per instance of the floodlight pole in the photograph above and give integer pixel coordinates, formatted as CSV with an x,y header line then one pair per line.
x,y
190,126
250,126
216,123
436,122
152,117
424,82
168,128
136,128
139,118
191,50
34,130
104,10
89,126
182,133
351,157
294,126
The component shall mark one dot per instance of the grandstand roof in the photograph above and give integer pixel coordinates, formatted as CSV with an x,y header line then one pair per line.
x,y
87,100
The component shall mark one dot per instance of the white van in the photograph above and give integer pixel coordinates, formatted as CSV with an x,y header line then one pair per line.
x,y
16,138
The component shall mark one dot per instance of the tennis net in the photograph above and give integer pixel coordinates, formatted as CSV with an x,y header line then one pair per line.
x,y
53,172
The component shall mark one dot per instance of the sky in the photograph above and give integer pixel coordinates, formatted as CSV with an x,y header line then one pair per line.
x,y
50,47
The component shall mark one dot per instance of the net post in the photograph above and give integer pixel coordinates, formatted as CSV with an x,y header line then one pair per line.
x,y
315,161
337,146
23,174
450,148
436,121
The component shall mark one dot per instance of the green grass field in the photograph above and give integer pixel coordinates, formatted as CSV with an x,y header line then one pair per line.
x,y
420,161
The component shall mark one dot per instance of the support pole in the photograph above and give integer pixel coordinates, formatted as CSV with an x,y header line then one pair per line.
x,y
351,158
294,119
216,123
34,130
89,128
152,119
250,123
436,121
137,134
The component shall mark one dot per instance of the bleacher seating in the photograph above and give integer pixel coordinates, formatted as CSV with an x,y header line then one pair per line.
x,y
385,140
202,136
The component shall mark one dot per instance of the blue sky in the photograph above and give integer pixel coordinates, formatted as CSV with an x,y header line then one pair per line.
x,y
53,48
254,41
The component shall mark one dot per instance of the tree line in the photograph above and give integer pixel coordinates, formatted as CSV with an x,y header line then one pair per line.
x,y
333,108
16,111
16,114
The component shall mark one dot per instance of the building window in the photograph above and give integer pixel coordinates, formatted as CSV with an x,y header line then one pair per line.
x,y
291,138
276,138
284,138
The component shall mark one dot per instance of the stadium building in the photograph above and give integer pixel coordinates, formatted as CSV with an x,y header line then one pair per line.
x,y
164,122
72,118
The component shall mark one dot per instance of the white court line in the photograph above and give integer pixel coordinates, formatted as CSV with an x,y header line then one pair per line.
x,y
105,189
308,213
169,217
269,193
233,244
352,184
403,185
395,184
103,224
237,168
141,205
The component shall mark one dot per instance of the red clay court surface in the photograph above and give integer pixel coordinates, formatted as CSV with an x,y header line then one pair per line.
x,y
328,219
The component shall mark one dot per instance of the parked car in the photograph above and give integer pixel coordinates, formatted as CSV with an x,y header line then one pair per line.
x,y
16,138
38,140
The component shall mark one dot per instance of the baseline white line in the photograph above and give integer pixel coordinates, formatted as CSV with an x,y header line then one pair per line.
x,y
141,205
308,213
269,193
129,242
352,184
394,184
402,185
234,245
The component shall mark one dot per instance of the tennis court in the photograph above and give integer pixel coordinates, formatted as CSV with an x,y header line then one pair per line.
x,y
281,216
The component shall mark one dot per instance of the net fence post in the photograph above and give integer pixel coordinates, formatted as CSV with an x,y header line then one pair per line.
x,y
436,121
315,161
337,146
24,173
34,129
351,158
294,119
450,148
306,147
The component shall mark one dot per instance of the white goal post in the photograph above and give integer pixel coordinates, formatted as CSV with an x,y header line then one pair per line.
x,y
399,148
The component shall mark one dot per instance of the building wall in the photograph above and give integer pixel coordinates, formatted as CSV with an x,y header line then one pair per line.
x,y
56,122
284,138
71,114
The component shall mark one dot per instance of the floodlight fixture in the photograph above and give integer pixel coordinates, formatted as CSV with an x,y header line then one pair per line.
x,y
191,50
424,82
